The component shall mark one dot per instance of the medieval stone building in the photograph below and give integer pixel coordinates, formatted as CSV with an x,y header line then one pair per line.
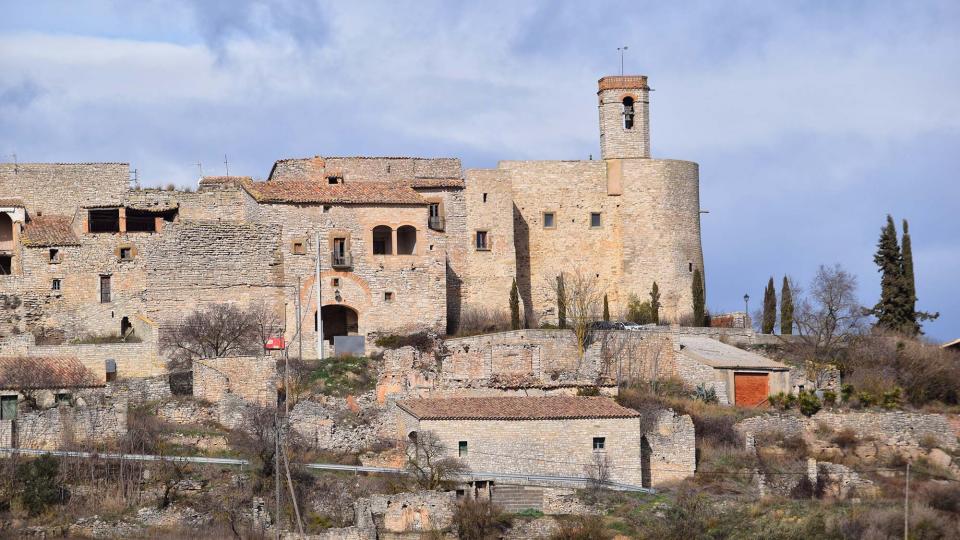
x,y
404,243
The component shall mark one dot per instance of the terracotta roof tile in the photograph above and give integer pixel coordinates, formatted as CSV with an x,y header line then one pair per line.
x,y
49,231
515,408
296,191
13,201
625,82
437,182
212,180
35,373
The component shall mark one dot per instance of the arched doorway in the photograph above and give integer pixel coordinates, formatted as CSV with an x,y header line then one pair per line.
x,y
338,320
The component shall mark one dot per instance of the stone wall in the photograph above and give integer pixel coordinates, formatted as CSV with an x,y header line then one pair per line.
x,y
132,359
673,448
141,390
55,428
6,433
252,379
62,188
694,373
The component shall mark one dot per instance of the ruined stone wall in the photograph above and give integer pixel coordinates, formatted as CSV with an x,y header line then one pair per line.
x,y
132,359
366,168
417,282
253,379
141,389
488,274
673,448
54,428
62,188
543,447
225,203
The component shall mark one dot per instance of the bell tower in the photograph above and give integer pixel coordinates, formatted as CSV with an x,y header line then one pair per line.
x,y
624,102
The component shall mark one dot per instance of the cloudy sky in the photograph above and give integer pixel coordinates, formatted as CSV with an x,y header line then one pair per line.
x,y
811,121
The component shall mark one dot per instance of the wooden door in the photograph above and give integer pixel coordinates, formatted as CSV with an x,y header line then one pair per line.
x,y
751,389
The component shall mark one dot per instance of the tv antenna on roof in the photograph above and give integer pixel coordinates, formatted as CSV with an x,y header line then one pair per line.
x,y
15,165
200,167
226,165
622,49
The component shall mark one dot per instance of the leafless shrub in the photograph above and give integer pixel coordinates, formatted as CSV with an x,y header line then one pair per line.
x,y
581,294
258,438
476,320
219,330
829,315
581,528
598,471
429,464
479,519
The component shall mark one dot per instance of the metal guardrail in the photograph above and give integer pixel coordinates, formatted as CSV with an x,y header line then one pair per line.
x,y
529,478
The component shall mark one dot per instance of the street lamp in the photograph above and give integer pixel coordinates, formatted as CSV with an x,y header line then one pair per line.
x,y
746,309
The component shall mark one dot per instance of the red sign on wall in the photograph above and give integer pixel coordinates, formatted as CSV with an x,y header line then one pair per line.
x,y
276,344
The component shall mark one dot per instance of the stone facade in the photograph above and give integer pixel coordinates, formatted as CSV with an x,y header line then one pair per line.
x,y
91,257
54,428
252,379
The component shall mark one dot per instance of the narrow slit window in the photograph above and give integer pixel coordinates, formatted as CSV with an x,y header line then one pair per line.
x,y
105,289
690,267
462,449
484,197
628,112
483,241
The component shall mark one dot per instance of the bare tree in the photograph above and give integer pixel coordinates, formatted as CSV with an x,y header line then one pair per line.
x,y
266,321
829,315
582,297
598,472
215,331
429,464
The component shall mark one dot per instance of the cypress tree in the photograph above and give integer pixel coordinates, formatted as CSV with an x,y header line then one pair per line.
x,y
606,309
699,301
561,303
655,303
786,309
769,308
909,284
891,309
514,306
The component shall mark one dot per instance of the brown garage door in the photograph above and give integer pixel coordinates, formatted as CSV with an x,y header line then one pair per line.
x,y
750,389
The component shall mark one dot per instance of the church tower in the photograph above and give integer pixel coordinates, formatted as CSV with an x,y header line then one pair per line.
x,y
624,117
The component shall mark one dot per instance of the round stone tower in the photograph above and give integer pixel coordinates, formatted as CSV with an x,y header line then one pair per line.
x,y
624,102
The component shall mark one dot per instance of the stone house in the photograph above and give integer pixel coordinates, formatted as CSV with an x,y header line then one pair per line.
x,y
565,436
404,243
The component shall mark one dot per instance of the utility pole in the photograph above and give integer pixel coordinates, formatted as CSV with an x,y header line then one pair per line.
x,y
906,506
299,323
200,168
226,165
622,49
276,473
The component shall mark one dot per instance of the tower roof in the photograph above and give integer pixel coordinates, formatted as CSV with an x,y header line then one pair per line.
x,y
622,82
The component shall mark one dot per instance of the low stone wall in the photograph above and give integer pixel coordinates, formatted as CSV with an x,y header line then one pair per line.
x,y
331,425
186,411
132,359
52,429
253,379
141,390
789,425
403,514
6,433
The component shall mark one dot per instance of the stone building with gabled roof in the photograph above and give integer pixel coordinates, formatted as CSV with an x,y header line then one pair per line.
x,y
559,436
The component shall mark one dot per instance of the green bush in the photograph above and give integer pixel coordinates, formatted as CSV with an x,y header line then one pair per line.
x,y
706,395
846,391
38,483
808,403
829,397
892,399
588,391
866,399
420,341
639,312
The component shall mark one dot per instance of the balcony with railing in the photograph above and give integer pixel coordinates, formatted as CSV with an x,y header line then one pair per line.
x,y
341,260
435,223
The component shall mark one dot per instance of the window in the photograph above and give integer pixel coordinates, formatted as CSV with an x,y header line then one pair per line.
x,y
599,443
335,282
382,240
8,407
140,221
340,257
483,241
55,284
63,398
628,112
104,289
6,265
388,296
595,221
484,197
110,367
462,448
435,221
298,248
549,220
690,267
334,180
406,240
126,254
103,221
54,255
326,208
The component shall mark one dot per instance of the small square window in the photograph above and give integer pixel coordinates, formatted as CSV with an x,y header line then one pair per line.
x,y
388,296
63,399
55,285
126,254
326,208
549,220
298,248
334,180
335,282
54,255
595,221
599,443
483,241
462,448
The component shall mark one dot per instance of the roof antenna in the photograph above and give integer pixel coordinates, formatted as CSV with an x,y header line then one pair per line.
x,y
15,165
200,166
136,180
622,49
226,165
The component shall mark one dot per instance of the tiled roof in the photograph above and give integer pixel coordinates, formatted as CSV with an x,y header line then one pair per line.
x,y
15,201
715,354
515,408
49,231
625,82
437,182
297,191
29,373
